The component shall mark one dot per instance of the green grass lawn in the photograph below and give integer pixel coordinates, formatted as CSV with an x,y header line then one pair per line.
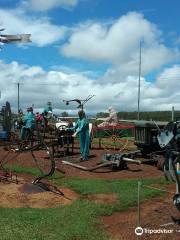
x,y
74,222
78,221
126,190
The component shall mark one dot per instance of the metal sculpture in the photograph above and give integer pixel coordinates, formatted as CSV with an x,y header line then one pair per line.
x,y
7,117
80,102
17,38
169,138
112,137
115,161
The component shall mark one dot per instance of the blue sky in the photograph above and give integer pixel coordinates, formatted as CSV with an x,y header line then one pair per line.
x,y
92,47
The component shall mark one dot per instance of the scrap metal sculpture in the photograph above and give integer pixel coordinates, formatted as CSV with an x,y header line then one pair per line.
x,y
6,175
115,161
17,38
12,146
6,117
169,138
80,102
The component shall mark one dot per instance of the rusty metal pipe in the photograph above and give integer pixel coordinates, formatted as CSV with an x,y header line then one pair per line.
x,y
131,160
85,168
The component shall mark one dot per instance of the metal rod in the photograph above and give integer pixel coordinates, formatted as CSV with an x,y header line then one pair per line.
x,y
85,168
176,178
18,96
138,200
172,114
131,160
139,81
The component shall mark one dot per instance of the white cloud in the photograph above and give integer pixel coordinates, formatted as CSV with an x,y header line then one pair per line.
x,y
118,43
169,78
45,5
39,86
42,31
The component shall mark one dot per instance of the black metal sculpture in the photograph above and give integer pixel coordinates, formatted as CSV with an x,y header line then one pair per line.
x,y
80,102
169,138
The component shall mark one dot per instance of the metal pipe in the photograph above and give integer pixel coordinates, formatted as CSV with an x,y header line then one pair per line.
x,y
138,201
18,97
85,168
139,82
131,160
172,114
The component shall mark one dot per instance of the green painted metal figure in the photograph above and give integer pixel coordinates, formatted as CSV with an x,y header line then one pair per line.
x,y
29,123
82,130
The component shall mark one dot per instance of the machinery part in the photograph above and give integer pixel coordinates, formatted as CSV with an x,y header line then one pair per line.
x,y
5,119
176,201
48,187
65,141
164,138
112,137
6,38
169,138
62,127
8,176
85,168
116,161
44,159
119,161
79,101
7,154
18,38
175,220
145,134
168,168
39,150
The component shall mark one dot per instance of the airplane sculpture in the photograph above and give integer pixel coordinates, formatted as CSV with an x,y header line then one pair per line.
x,y
18,38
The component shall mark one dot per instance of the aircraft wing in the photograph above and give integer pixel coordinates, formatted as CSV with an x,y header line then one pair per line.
x,y
22,38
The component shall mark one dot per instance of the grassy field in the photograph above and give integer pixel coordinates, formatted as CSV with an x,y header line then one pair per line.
x,y
126,190
78,221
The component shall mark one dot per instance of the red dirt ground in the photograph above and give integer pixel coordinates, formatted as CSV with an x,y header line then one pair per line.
x,y
133,171
103,198
12,196
155,214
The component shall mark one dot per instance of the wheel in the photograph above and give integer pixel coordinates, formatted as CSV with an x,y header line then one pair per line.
x,y
62,128
8,155
32,153
113,139
43,158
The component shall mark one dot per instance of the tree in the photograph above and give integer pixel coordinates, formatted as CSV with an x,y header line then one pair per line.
x,y
64,114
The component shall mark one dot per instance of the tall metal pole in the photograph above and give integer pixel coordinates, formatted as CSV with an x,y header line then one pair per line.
x,y
172,117
138,201
139,82
18,96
